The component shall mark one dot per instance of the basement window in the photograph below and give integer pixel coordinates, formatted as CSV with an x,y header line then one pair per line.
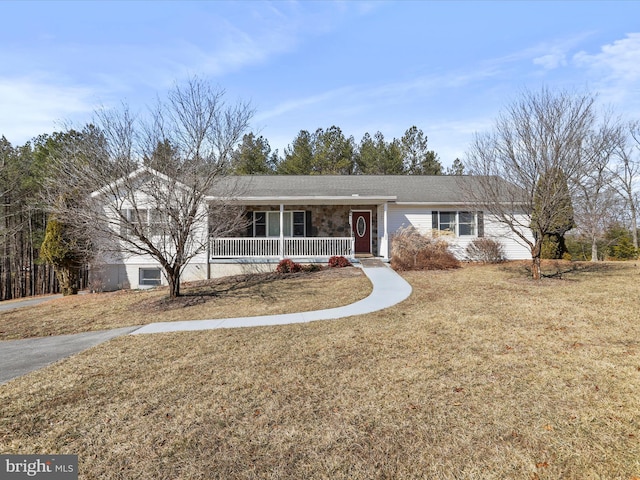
x,y
150,277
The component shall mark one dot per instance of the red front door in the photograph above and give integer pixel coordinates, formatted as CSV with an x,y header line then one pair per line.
x,y
361,224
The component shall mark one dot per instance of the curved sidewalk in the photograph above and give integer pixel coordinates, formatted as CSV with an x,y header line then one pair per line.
x,y
389,288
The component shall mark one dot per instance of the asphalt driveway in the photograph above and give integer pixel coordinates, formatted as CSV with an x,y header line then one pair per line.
x,y
18,357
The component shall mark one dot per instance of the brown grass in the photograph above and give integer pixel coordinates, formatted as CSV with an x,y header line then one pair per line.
x,y
481,373
249,295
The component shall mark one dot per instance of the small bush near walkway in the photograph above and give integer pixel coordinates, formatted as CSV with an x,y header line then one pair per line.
x,y
411,250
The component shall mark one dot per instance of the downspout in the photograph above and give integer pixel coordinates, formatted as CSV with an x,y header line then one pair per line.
x,y
385,250
208,254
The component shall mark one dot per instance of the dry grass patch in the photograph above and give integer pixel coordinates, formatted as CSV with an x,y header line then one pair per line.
x,y
249,295
481,373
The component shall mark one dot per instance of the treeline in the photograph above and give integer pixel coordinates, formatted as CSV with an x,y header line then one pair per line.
x,y
25,174
23,221
330,152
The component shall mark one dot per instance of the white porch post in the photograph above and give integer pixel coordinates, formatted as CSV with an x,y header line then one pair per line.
x,y
385,243
353,238
281,248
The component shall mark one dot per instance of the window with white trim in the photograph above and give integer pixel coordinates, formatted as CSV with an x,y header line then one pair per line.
x,y
267,224
456,223
148,221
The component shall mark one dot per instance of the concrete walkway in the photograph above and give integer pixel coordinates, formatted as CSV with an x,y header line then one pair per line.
x,y
389,288
19,357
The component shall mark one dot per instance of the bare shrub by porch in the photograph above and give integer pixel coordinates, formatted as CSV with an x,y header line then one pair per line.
x,y
411,250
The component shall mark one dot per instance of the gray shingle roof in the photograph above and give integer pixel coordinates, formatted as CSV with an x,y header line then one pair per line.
x,y
406,188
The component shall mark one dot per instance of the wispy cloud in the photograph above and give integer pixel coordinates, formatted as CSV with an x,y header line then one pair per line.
x,y
553,60
31,106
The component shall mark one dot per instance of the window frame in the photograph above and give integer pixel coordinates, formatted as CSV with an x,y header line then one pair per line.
x,y
269,221
152,222
454,217
149,282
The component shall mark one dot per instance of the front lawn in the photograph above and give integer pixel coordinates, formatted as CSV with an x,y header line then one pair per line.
x,y
481,373
242,296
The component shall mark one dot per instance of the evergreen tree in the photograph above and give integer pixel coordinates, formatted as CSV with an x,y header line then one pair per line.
x,y
553,213
333,153
298,157
377,157
254,157
61,249
457,168
418,159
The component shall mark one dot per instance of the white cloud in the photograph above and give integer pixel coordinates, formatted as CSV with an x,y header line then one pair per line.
x,y
552,60
615,71
31,107
621,59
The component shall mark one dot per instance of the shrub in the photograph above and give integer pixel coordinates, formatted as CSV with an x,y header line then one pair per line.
x,y
288,266
339,262
623,250
485,250
413,251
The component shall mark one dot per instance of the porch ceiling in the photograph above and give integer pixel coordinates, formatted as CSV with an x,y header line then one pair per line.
x,y
314,200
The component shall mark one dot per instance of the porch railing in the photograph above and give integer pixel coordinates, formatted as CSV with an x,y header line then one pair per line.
x,y
280,248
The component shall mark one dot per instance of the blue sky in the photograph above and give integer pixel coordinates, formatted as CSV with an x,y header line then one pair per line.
x,y
446,67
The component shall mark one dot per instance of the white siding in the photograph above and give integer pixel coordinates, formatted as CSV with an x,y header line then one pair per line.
x,y
113,271
420,218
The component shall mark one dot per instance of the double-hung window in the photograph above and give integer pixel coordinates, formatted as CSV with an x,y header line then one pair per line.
x,y
148,221
466,224
267,224
459,224
134,220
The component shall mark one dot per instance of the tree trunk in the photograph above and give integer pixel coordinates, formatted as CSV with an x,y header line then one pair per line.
x,y
536,270
634,226
68,279
594,250
536,251
173,277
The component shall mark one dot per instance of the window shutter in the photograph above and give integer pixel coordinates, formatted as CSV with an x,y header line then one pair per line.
x,y
308,227
434,220
249,218
480,224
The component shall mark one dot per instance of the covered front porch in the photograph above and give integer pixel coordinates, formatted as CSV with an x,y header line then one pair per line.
x,y
312,231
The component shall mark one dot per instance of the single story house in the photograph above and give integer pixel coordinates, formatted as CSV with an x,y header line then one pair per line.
x,y
311,218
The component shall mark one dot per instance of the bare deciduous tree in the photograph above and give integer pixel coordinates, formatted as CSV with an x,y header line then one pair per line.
x,y
595,200
538,134
158,209
627,175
